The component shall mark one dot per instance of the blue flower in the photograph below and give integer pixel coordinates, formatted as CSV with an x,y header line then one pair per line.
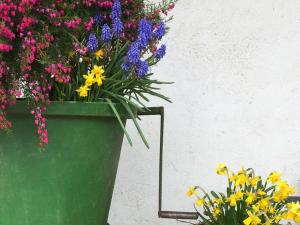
x,y
106,34
118,27
134,53
160,30
142,68
145,33
92,43
161,52
126,66
98,19
116,10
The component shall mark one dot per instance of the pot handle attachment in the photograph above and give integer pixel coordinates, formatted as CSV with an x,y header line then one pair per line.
x,y
165,214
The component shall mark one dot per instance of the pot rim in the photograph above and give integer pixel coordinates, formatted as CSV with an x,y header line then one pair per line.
x,y
72,108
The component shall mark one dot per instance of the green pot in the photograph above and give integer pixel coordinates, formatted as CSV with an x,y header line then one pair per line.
x,y
72,181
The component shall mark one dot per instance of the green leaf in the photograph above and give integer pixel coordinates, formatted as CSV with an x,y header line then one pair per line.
x,y
119,119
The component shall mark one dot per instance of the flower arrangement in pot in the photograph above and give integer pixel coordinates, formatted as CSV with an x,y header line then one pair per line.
x,y
81,69
248,200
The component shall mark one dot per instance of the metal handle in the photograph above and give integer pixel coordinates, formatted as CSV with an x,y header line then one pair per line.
x,y
161,213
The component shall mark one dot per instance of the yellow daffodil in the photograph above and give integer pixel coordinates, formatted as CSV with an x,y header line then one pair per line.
x,y
222,169
200,201
271,210
239,195
283,192
277,218
98,70
99,54
250,198
232,178
232,200
216,212
83,91
285,187
241,179
191,191
255,208
293,212
253,181
274,177
264,204
98,80
218,201
260,192
252,219
89,79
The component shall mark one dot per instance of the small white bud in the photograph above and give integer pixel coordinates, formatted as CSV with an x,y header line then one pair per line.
x,y
80,60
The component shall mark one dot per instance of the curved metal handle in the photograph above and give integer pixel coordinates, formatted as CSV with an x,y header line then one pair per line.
x,y
161,213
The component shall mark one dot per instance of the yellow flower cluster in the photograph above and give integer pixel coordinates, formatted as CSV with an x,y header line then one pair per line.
x,y
265,202
293,212
95,76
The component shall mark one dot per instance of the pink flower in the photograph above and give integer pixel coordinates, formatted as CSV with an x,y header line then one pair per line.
x,y
5,47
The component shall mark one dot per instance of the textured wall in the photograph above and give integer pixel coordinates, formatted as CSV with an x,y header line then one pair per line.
x,y
236,99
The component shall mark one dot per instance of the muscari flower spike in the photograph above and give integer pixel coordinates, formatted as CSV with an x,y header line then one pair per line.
x,y
161,52
142,68
106,34
116,10
160,30
92,43
98,19
118,27
134,53
145,32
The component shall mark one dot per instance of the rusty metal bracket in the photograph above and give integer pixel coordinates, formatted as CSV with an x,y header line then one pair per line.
x,y
165,214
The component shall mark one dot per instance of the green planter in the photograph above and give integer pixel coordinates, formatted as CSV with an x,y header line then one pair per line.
x,y
72,181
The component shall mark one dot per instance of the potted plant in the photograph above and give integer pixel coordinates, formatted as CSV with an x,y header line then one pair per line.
x,y
248,200
71,73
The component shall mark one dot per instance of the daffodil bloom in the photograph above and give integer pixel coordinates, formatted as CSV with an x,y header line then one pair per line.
x,y
250,198
241,179
239,195
200,201
264,203
216,212
98,80
284,187
271,210
232,178
274,177
99,54
89,79
222,169
293,212
277,197
283,192
232,200
218,201
98,70
191,191
255,208
83,91
261,192
277,218
253,181
252,219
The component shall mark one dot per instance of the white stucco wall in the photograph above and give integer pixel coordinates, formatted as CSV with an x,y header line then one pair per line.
x,y
236,99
